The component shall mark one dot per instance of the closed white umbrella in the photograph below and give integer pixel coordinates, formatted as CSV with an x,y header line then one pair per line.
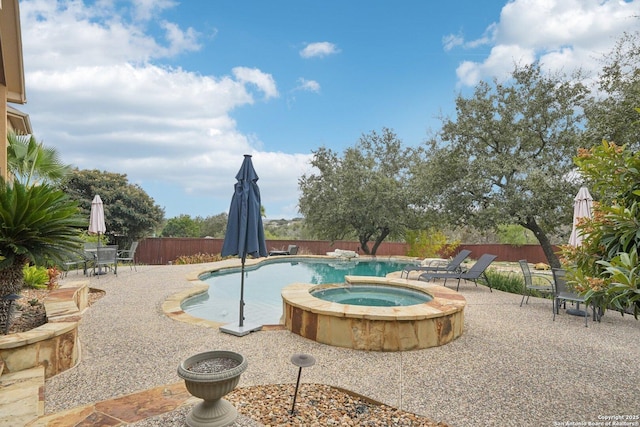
x,y
96,222
582,206
96,219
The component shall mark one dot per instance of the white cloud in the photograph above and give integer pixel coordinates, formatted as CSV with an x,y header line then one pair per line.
x,y
451,41
179,40
279,173
562,34
263,81
319,50
97,97
144,10
308,85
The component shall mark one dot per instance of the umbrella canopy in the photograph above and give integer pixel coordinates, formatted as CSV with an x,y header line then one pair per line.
x,y
245,233
581,209
96,219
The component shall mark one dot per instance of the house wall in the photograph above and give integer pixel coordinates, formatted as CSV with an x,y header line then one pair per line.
x,y
12,88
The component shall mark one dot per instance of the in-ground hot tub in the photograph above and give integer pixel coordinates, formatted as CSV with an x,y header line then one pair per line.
x,y
432,323
373,295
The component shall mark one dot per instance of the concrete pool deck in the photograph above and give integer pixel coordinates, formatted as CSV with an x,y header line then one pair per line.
x,y
512,365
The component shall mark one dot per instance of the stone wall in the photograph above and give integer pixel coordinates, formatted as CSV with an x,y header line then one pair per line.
x,y
54,345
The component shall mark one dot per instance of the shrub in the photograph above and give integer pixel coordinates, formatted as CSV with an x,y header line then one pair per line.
x,y
504,281
35,277
196,259
602,268
516,235
53,274
430,243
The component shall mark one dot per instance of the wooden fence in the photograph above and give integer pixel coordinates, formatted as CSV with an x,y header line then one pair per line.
x,y
157,251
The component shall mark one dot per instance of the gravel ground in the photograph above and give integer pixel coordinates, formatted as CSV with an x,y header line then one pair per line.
x,y
316,404
512,366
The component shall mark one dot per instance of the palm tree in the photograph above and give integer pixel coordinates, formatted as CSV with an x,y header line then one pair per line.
x,y
31,162
39,224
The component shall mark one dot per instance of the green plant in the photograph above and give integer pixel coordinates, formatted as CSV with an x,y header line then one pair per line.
x,y
35,277
30,161
514,234
94,238
40,224
505,281
599,268
622,280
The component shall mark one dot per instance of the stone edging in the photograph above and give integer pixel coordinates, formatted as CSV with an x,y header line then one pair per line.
x,y
54,345
172,307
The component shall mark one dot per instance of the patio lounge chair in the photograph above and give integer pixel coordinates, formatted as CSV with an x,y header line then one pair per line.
x,y
453,265
529,284
128,255
292,250
476,271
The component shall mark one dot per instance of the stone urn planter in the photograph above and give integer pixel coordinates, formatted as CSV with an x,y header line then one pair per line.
x,y
210,376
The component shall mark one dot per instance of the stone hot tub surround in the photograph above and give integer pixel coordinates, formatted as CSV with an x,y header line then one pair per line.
x,y
411,327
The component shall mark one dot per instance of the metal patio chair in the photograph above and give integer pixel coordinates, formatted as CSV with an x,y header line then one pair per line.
x,y
532,282
80,259
128,255
562,294
106,256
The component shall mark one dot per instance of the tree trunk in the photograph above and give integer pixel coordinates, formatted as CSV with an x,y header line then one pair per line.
x,y
364,244
12,278
552,258
383,235
11,282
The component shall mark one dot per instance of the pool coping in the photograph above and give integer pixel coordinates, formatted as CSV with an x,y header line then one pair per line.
x,y
445,301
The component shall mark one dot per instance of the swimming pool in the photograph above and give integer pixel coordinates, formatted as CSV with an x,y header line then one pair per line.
x,y
263,285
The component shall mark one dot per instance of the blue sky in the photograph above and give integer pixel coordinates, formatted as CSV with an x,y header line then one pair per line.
x,y
173,93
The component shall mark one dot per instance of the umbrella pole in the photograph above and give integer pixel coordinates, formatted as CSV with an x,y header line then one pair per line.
x,y
99,265
241,324
241,330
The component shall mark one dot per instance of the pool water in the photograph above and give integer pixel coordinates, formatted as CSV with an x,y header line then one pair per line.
x,y
372,295
263,284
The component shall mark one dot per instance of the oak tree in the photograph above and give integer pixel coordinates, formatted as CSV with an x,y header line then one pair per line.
x,y
129,212
361,194
506,158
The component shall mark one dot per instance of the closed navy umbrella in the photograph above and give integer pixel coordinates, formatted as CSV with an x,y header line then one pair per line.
x,y
245,233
